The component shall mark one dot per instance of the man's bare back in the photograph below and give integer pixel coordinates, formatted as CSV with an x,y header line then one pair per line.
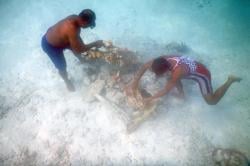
x,y
58,35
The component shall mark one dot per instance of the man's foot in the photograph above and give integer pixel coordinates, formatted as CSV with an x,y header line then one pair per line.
x,y
70,86
233,78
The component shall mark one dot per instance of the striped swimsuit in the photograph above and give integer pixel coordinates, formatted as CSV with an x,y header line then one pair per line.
x,y
196,71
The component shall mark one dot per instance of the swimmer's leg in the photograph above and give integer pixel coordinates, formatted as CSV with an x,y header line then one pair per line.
x,y
214,98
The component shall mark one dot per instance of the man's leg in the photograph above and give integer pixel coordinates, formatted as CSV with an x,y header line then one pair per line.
x,y
60,63
57,57
214,98
69,84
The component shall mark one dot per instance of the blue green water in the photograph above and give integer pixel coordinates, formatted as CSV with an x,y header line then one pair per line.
x,y
41,123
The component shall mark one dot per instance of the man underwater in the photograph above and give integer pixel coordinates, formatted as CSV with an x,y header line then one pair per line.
x,y
181,67
66,35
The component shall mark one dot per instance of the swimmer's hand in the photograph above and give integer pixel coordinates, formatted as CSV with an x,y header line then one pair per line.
x,y
129,90
148,101
179,95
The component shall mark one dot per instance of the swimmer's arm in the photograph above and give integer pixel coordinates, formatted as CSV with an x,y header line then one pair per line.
x,y
180,88
140,73
170,85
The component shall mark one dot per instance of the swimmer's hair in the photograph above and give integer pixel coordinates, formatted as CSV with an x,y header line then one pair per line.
x,y
160,65
87,15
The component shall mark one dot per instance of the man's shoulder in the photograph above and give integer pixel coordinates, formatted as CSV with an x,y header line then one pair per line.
x,y
71,17
70,25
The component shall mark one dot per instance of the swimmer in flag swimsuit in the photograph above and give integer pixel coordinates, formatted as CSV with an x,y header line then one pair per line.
x,y
181,67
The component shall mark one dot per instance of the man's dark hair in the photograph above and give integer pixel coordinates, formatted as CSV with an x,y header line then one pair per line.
x,y
160,65
89,16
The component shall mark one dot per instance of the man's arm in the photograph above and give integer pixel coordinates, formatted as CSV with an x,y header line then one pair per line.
x,y
77,44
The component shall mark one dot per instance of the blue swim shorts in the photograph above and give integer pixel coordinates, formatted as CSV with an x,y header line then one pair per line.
x,y
55,54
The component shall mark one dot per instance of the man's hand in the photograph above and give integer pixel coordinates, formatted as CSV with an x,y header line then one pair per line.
x,y
81,59
99,43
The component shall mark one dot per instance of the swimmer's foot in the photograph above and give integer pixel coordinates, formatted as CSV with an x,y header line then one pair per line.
x,y
116,77
70,86
233,78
